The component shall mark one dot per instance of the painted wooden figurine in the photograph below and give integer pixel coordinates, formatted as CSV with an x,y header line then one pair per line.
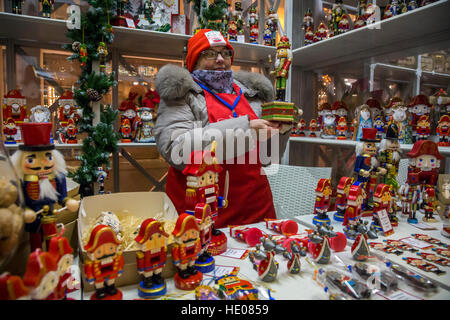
x,y
363,116
41,275
143,125
424,163
321,33
443,131
263,259
271,27
301,127
400,118
419,106
47,6
13,288
282,66
203,187
253,22
185,251
389,156
356,196
343,190
430,205
15,107
42,170
340,109
151,258
205,262
313,128
423,126
66,108
323,196
360,250
125,131
411,198
382,201
10,131
104,264
319,246
329,126
342,129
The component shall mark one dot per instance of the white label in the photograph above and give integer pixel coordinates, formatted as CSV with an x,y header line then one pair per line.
x,y
401,295
423,226
241,38
384,221
221,271
234,253
215,38
130,23
416,243
210,199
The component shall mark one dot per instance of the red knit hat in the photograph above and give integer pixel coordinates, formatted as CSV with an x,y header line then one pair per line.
x,y
202,40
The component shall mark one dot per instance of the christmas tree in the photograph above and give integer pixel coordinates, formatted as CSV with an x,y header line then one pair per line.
x,y
89,46
212,15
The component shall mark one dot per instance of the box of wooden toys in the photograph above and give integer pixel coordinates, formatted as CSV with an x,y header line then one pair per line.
x,y
124,212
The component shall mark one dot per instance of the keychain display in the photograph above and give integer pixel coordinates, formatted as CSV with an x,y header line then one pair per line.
x,y
413,278
423,265
400,245
431,257
442,252
429,239
385,248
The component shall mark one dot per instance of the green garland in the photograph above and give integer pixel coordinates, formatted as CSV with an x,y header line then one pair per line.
x,y
211,16
101,139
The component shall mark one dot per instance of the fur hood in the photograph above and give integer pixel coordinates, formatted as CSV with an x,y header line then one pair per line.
x,y
174,82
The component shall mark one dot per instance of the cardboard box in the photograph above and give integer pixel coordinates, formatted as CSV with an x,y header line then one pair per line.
x,y
139,204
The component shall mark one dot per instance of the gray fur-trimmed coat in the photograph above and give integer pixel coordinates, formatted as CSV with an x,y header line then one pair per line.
x,y
183,117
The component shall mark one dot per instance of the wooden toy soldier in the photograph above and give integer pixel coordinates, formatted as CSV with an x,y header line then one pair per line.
x,y
423,128
389,156
282,65
185,251
443,130
71,132
411,198
13,288
151,257
253,22
232,30
356,196
419,106
343,190
41,275
66,108
379,125
312,128
125,131
42,170
105,263
424,163
102,51
309,36
340,109
205,262
430,205
335,17
323,196
382,201
62,253
272,26
342,128
321,33
10,131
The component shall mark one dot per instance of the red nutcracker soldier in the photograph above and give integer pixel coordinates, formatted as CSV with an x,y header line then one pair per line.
x,y
342,128
128,108
13,288
323,196
71,132
62,253
202,188
321,33
313,128
104,264
340,109
41,275
10,131
424,163
205,262
382,201
301,128
15,106
423,128
443,131
430,205
419,106
356,196
66,108
185,251
309,36
151,258
125,131
343,190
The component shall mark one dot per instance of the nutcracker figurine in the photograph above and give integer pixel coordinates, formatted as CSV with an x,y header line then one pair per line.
x,y
62,253
41,275
382,201
71,132
205,262
143,125
344,24
253,22
203,187
13,288
128,107
185,251
321,33
430,205
42,171
388,110
340,109
17,8
10,131
356,196
443,131
423,128
232,30
309,36
379,125
254,34
329,126
392,9
343,190
400,118
312,128
375,107
105,263
411,198
272,27
301,128
419,106
125,131
15,107
308,20
101,177
342,129
323,195
237,16
151,258
389,156
102,51
424,163
337,11
282,66
47,6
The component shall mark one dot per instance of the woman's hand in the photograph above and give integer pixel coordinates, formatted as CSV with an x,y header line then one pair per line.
x,y
270,127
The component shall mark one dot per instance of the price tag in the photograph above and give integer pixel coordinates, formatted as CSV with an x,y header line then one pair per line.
x,y
130,23
416,243
222,270
385,223
423,226
235,253
400,295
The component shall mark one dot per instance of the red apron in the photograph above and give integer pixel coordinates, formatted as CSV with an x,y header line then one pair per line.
x,y
249,195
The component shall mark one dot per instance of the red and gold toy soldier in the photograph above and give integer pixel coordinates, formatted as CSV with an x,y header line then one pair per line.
x,y
312,128
205,262
419,107
125,131
202,174
71,132
15,107
343,190
151,258
62,253
424,163
66,108
10,131
423,127
356,196
282,67
342,128
301,128
430,205
13,288
105,263
185,251
340,109
321,33
41,275
323,196
382,201
443,130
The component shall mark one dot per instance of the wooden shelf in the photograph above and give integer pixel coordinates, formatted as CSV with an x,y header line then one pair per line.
x,y
43,31
416,32
444,151
79,145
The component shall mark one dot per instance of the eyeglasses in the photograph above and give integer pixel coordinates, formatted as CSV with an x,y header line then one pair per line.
x,y
212,54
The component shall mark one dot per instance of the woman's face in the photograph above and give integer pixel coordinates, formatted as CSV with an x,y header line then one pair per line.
x,y
219,63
